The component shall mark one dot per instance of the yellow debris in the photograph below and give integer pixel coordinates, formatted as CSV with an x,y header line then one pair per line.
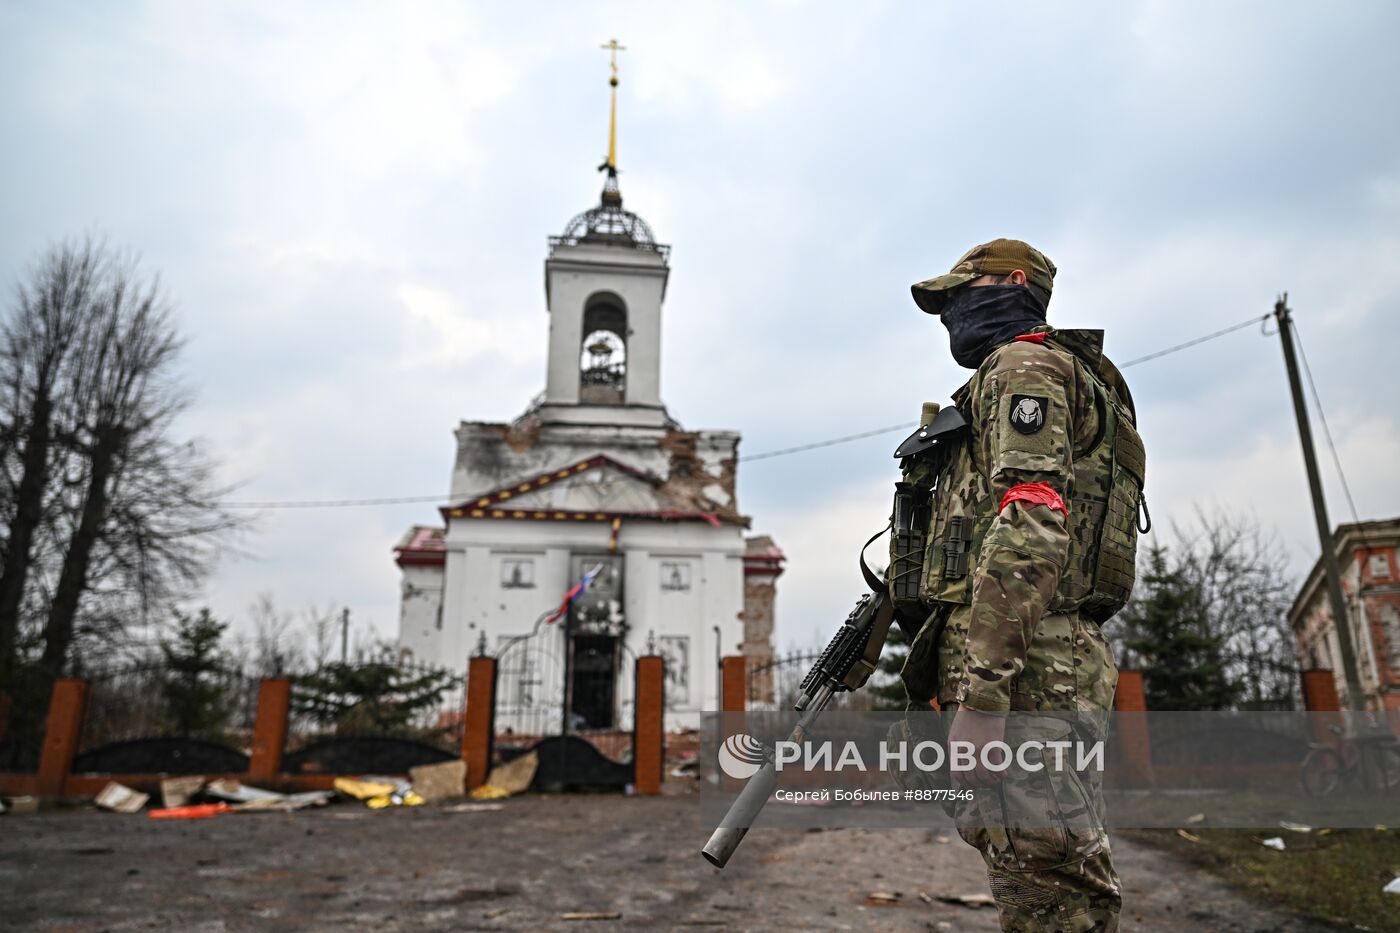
x,y
489,792
362,790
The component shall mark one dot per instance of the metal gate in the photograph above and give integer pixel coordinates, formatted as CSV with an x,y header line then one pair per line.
x,y
566,690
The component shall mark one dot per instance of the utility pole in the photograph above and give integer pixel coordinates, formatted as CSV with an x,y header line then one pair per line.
x,y
344,635
1340,617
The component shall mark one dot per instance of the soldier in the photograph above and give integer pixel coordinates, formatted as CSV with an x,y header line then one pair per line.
x,y
1030,547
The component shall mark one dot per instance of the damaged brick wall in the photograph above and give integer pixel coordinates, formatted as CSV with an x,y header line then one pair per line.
x,y
692,483
759,596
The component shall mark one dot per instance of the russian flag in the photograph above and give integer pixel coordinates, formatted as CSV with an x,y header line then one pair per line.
x,y
575,592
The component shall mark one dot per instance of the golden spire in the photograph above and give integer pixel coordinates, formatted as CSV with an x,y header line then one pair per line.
x,y
611,163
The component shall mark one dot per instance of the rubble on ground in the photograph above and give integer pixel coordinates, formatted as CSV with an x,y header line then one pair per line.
x,y
121,799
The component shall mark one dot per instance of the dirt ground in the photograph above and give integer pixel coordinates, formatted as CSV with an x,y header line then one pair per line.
x,y
525,865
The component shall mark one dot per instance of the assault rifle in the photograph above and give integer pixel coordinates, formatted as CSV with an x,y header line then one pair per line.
x,y
854,653
845,665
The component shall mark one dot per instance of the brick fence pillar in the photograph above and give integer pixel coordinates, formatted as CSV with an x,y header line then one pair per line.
x,y
1321,700
61,733
734,684
1134,742
479,722
1320,692
649,737
270,728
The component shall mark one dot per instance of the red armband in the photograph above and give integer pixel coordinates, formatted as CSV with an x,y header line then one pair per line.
x,y
1034,494
1031,338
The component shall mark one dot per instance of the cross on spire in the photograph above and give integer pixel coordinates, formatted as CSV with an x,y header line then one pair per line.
x,y
610,165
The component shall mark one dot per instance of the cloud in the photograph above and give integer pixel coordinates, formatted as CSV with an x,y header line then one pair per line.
x,y
349,204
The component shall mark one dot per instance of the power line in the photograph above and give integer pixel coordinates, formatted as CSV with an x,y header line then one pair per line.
x,y
331,503
1191,343
766,455
1322,417
827,443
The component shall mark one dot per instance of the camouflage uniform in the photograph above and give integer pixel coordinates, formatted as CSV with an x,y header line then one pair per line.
x,y
1008,571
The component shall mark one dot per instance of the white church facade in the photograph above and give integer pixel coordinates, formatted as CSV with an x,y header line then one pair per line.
x,y
596,474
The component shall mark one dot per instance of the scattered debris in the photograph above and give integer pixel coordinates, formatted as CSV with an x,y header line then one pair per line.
x,y
199,811
379,792
1195,818
513,777
687,767
248,799
923,896
404,798
235,792
497,912
364,789
444,781
121,799
1273,842
591,915
943,839
286,803
1294,827
473,807
22,806
488,792
178,791
942,925
1188,836
1393,887
883,898
968,900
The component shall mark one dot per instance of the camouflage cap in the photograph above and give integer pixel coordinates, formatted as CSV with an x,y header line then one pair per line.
x,y
999,257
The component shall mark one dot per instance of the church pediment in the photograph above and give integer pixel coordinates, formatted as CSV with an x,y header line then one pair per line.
x,y
597,484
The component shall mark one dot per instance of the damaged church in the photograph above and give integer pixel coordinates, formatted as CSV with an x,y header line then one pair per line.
x,y
595,480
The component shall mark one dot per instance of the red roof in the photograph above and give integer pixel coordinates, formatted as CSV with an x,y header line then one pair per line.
x,y
422,546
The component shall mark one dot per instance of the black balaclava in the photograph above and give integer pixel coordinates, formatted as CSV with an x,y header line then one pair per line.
x,y
983,318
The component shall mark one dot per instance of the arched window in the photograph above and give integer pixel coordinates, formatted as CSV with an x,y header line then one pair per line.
x,y
603,356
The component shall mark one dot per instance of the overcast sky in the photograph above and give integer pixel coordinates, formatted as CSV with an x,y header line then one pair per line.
x,y
349,205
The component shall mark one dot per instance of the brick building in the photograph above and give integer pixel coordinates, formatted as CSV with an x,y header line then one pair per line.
x,y
1366,553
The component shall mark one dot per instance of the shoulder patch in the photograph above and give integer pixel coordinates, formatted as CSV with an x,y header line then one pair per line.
x,y
1027,412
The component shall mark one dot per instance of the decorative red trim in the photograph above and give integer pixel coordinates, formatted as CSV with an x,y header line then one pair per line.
x,y
409,558
1035,494
1032,338
664,515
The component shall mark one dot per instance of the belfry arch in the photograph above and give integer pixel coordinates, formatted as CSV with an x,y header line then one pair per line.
x,y
603,354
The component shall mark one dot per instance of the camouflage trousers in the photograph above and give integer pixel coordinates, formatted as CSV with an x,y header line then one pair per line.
x,y
1041,835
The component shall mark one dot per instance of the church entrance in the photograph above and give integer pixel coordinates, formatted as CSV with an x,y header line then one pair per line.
x,y
596,633
594,688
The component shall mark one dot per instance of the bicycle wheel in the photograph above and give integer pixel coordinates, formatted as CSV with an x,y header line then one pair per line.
x,y
1321,772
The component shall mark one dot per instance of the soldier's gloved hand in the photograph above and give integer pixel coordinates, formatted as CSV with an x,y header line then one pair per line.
x,y
978,729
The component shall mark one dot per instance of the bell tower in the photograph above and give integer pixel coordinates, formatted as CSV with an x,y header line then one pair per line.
x,y
604,280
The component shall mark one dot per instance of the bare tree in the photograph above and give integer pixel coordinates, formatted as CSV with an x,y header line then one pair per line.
x,y
1230,590
38,347
1240,576
321,626
128,515
275,649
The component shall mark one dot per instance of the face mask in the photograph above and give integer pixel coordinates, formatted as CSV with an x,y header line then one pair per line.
x,y
981,319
